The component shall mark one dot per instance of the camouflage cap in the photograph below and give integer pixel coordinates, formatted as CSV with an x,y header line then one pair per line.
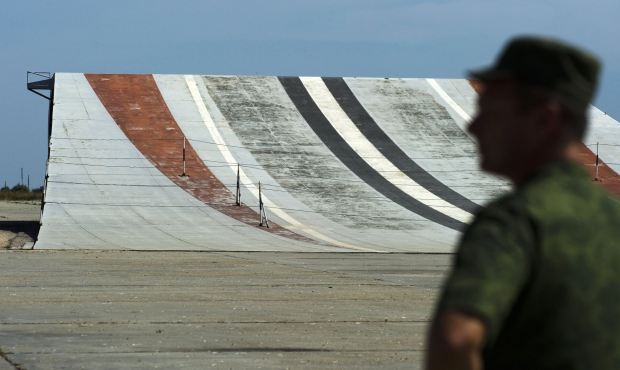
x,y
559,68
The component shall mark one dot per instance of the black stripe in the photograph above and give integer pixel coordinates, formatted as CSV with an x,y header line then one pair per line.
x,y
330,137
367,125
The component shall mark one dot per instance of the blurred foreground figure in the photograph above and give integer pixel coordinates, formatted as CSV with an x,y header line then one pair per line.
x,y
536,279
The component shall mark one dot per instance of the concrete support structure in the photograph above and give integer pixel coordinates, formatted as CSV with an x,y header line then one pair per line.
x,y
156,162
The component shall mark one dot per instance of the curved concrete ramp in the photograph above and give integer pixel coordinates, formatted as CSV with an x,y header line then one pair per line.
x,y
183,162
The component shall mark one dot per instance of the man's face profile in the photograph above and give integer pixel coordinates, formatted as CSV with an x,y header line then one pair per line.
x,y
506,132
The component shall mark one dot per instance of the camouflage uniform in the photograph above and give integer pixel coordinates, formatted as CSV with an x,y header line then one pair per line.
x,y
541,268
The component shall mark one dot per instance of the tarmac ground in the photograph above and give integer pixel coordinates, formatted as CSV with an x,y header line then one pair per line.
x,y
195,310
80,309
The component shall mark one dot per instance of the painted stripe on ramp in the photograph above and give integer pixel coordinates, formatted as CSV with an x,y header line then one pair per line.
x,y
392,152
320,124
442,94
371,155
136,105
293,224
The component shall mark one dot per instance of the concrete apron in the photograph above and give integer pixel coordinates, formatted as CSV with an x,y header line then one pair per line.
x,y
191,310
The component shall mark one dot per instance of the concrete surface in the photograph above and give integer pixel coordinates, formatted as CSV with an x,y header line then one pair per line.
x,y
196,310
346,164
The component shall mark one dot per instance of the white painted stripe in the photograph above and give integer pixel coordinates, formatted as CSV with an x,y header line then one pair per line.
x,y
442,93
294,225
353,136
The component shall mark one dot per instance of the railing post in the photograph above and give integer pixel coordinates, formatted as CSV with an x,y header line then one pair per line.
x,y
261,207
184,174
238,193
596,164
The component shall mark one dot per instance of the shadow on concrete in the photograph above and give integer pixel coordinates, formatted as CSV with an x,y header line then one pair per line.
x,y
30,228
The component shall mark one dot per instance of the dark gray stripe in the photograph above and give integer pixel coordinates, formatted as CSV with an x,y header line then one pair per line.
x,y
367,125
330,137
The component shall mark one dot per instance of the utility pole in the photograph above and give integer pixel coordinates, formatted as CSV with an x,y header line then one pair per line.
x,y
22,176
28,182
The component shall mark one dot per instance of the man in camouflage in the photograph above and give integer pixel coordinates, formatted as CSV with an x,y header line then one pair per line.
x,y
536,278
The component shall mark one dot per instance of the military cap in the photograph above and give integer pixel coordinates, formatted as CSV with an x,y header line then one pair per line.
x,y
564,70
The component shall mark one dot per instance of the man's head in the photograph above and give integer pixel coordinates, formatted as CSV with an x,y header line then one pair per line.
x,y
532,104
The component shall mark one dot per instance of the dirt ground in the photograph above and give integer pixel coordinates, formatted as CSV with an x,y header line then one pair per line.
x,y
19,223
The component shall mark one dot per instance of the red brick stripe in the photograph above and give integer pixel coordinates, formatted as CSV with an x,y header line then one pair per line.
x,y
607,177
136,104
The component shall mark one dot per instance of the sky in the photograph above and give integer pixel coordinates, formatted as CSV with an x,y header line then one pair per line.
x,y
380,38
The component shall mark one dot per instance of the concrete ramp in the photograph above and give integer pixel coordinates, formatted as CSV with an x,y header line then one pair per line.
x,y
184,162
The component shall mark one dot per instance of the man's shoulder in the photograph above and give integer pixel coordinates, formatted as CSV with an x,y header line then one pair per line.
x,y
561,194
503,221
563,189
560,206
509,207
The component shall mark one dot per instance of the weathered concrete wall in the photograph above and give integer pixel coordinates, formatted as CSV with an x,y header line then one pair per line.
x,y
345,164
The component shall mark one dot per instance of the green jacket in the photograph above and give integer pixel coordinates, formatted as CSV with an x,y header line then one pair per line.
x,y
541,268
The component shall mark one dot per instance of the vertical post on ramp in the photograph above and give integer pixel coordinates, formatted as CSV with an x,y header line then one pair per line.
x,y
238,193
184,166
596,175
261,207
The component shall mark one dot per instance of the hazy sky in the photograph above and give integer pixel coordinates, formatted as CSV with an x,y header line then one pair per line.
x,y
439,38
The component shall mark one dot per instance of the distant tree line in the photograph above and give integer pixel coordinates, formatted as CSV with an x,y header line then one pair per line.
x,y
20,192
